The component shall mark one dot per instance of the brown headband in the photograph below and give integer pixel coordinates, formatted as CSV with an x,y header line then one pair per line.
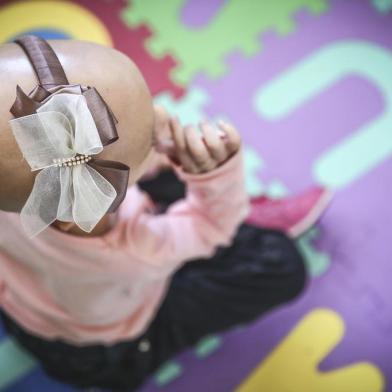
x,y
50,74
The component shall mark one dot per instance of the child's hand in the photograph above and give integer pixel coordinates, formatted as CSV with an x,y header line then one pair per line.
x,y
195,152
200,153
162,136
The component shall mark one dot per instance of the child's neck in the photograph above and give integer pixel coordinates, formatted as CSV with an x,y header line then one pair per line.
x,y
102,227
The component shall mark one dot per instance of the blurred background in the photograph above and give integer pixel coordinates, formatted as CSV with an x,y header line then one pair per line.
x,y
309,85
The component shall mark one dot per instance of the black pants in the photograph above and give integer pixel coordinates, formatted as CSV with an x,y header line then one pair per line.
x,y
261,270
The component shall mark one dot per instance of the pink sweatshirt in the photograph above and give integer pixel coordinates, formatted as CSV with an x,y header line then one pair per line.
x,y
89,290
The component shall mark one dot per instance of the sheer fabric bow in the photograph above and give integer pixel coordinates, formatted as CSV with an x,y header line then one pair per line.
x,y
65,189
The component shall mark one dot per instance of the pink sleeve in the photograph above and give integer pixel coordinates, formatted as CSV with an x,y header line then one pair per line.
x,y
216,203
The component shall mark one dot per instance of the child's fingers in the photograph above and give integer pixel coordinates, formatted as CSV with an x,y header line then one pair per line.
x,y
161,119
233,140
214,142
198,150
181,145
161,116
165,146
178,135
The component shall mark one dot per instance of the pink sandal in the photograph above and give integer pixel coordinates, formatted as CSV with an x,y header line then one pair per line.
x,y
293,215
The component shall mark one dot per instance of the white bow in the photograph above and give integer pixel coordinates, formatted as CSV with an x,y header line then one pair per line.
x,y
62,128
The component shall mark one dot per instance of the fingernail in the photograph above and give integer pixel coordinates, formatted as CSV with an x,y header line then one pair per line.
x,y
222,134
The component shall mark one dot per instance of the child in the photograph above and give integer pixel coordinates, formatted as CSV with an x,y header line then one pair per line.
x,y
102,300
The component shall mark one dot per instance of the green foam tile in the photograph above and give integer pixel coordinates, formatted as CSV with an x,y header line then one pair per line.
x,y
208,345
317,262
15,363
167,373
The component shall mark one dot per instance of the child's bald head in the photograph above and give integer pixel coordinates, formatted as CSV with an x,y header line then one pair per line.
x,y
115,77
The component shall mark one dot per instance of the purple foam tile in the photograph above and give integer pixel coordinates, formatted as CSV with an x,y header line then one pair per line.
x,y
197,14
355,231
318,124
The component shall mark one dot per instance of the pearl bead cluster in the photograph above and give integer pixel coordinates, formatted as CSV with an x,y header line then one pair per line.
x,y
76,160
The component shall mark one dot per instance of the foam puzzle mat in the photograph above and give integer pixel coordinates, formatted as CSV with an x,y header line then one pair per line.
x,y
309,85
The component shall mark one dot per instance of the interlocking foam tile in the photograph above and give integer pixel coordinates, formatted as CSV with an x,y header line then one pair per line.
x,y
131,42
171,370
361,245
168,372
317,262
191,109
51,19
202,49
339,165
253,165
208,345
382,6
358,283
280,110
39,381
97,21
292,366
14,362
356,227
275,189
286,138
